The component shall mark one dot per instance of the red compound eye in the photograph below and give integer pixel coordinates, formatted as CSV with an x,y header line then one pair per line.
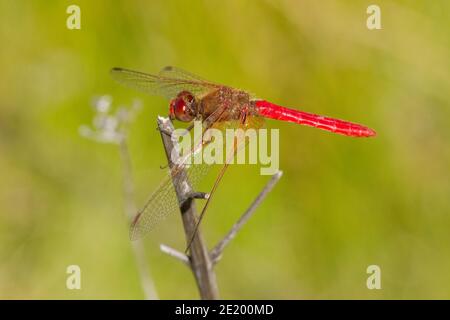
x,y
182,107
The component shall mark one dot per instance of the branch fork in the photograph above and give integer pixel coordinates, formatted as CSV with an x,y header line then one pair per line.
x,y
201,261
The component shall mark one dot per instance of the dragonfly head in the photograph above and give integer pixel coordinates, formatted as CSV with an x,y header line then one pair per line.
x,y
183,107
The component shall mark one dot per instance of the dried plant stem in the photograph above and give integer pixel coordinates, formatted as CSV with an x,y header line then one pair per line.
x,y
200,261
175,253
147,283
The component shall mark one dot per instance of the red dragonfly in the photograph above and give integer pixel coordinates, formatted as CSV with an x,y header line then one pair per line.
x,y
193,98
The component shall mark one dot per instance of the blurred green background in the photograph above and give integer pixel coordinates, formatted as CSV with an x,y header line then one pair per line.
x,y
343,204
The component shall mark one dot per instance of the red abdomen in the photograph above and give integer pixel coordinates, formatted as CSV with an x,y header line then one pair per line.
x,y
273,111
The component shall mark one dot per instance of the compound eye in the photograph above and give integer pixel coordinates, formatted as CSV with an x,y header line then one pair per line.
x,y
181,109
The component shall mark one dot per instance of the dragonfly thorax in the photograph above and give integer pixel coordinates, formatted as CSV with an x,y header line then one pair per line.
x,y
183,107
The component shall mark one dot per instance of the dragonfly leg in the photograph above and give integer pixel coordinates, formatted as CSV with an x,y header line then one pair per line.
x,y
162,167
188,129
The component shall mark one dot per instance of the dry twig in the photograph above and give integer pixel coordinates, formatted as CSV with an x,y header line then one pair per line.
x,y
200,261
175,253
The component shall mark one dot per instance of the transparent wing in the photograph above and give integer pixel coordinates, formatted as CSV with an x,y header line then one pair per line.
x,y
168,83
163,201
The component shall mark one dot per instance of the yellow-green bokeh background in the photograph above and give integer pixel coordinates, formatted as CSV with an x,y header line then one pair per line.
x,y
342,204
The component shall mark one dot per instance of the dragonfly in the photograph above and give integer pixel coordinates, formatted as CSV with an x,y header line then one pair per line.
x,y
216,106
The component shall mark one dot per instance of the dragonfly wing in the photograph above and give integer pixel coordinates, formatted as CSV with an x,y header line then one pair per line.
x,y
172,72
168,83
239,143
160,204
163,201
